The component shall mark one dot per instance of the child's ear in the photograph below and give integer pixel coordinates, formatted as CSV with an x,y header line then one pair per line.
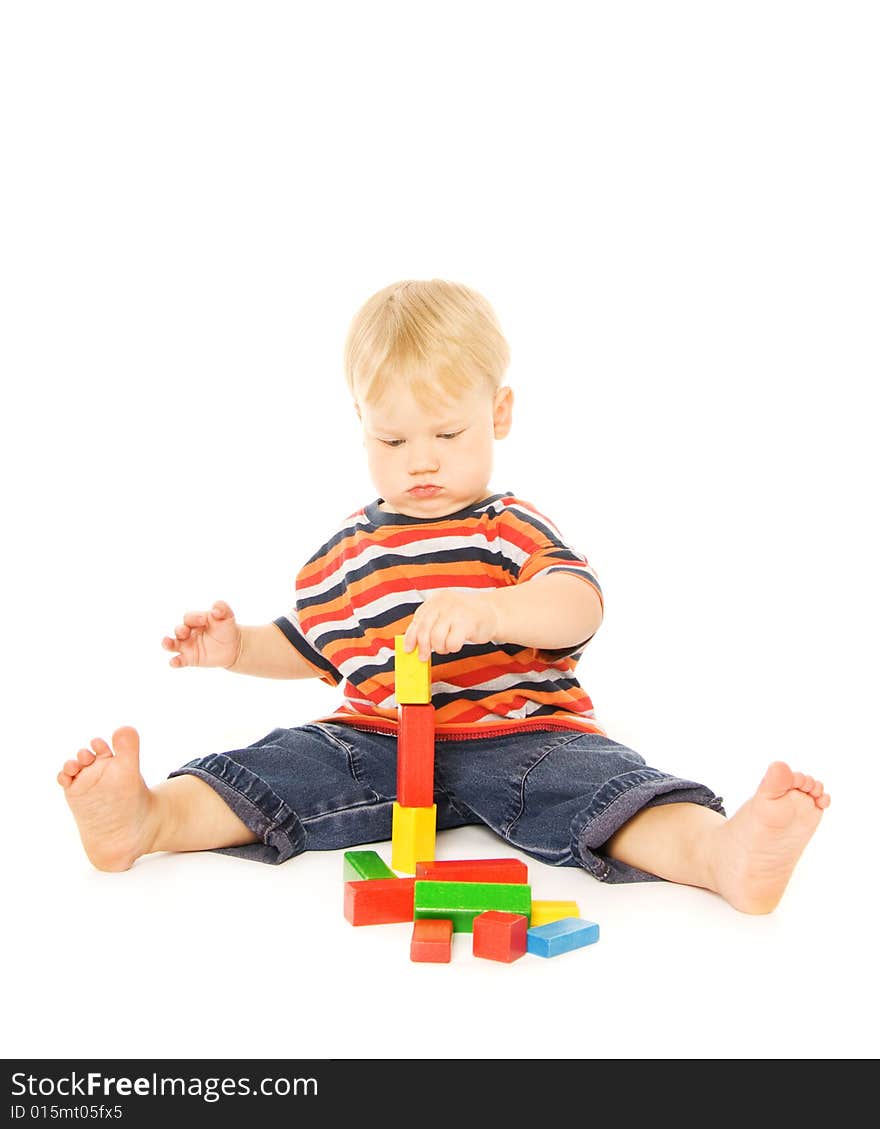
x,y
502,414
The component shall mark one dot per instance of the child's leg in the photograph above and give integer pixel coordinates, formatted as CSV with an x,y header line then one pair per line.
x,y
120,818
193,817
311,787
670,841
748,859
582,799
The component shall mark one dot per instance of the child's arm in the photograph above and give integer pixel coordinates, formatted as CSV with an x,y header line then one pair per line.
x,y
264,652
549,612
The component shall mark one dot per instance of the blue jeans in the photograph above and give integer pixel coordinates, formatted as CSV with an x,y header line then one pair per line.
x,y
557,795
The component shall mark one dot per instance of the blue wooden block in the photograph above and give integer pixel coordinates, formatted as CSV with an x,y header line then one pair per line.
x,y
561,936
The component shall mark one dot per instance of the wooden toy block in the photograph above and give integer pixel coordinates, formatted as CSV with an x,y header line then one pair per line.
x,y
544,912
431,941
378,901
364,864
561,936
500,936
413,834
474,870
412,677
415,756
462,901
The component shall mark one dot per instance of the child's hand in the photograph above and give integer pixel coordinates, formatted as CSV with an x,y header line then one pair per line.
x,y
206,638
447,620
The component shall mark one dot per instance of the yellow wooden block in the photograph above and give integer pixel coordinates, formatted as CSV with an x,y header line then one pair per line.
x,y
412,677
413,831
545,912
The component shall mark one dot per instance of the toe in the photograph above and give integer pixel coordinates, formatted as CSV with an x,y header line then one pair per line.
x,y
797,780
64,780
808,784
102,749
817,789
71,768
126,742
823,801
778,780
85,757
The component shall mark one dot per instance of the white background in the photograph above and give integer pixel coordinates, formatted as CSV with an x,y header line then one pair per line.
x,y
673,211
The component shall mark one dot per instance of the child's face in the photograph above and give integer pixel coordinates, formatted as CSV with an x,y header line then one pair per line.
x,y
432,463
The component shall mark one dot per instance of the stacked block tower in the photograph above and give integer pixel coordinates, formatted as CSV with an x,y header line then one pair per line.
x,y
489,898
414,815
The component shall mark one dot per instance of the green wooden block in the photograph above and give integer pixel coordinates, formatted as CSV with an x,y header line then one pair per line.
x,y
460,902
360,865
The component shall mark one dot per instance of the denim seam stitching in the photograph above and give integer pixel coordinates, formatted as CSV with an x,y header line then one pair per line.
x,y
522,784
529,850
336,811
354,760
447,796
330,735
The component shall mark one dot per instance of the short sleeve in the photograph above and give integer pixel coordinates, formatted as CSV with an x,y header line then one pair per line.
x,y
534,546
304,625
325,670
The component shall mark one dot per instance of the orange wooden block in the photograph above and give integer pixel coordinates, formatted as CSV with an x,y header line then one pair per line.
x,y
378,901
415,756
473,870
431,941
500,936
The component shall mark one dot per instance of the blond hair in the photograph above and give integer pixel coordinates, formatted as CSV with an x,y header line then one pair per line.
x,y
439,338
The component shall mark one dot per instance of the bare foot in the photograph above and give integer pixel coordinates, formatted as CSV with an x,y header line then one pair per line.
x,y
110,801
757,848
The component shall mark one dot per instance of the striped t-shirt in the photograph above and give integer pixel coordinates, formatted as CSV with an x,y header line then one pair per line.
x,y
362,587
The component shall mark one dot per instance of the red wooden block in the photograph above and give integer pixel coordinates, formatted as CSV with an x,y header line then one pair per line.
x,y
474,870
500,936
415,756
431,940
378,901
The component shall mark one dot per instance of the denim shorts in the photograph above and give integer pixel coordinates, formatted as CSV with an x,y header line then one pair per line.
x,y
556,795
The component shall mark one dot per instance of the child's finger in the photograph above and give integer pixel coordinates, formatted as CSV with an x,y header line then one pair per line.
x,y
426,640
454,640
411,639
423,627
415,643
439,633
195,619
414,632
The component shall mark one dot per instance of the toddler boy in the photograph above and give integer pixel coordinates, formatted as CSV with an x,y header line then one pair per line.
x,y
484,584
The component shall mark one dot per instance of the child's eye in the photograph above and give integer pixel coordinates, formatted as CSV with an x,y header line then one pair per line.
x,y
391,442
450,434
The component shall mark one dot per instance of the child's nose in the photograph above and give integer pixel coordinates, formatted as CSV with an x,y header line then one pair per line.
x,y
423,458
